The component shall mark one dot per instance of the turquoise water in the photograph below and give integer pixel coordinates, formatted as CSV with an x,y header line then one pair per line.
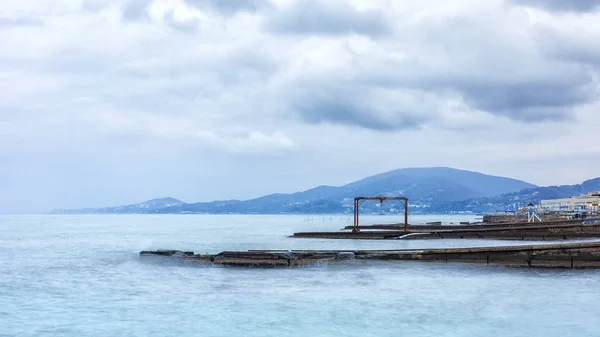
x,y
82,276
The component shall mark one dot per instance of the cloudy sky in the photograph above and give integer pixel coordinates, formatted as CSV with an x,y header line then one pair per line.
x,y
107,102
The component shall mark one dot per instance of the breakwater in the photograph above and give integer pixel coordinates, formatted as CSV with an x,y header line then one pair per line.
x,y
564,255
539,231
509,218
463,225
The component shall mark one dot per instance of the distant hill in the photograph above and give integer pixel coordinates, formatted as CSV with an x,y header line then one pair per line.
x,y
423,186
150,206
440,183
552,192
508,200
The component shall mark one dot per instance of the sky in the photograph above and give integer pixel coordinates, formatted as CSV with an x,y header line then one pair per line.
x,y
106,102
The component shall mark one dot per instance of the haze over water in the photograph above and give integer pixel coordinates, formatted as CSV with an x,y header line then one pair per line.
x,y
82,276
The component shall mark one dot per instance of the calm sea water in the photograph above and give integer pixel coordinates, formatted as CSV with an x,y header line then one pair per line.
x,y
82,276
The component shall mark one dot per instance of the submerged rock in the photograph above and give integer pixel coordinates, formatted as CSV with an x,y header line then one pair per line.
x,y
169,252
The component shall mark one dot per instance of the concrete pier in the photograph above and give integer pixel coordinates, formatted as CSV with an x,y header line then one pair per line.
x,y
564,255
477,225
539,231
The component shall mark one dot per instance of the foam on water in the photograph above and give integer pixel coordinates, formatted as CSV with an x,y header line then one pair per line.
x,y
82,276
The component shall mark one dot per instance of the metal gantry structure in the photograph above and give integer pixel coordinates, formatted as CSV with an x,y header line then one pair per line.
x,y
359,200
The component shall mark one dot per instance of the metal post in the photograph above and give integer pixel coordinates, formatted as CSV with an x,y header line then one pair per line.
x,y
355,215
405,215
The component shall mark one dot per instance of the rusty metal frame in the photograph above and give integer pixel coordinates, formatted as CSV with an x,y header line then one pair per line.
x,y
359,200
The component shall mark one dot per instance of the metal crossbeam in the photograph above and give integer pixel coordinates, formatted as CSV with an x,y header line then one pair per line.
x,y
359,200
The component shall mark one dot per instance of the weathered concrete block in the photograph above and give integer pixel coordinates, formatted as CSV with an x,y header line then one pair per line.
x,y
508,258
557,254
304,262
508,263
345,256
550,263
475,261
287,255
450,256
242,262
474,257
586,264
586,256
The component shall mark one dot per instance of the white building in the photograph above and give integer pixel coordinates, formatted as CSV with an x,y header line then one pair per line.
x,y
584,203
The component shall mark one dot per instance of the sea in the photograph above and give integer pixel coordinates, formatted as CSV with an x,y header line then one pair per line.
x,y
81,275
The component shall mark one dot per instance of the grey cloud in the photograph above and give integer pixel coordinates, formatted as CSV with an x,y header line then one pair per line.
x,y
135,9
578,53
526,100
230,6
315,102
562,5
582,49
547,95
339,111
492,70
410,102
242,65
93,5
326,17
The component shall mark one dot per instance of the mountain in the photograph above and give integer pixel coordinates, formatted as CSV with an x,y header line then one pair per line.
x,y
437,183
440,183
423,186
150,206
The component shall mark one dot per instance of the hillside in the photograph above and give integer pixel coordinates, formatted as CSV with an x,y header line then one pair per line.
x,y
150,206
439,183
425,187
508,200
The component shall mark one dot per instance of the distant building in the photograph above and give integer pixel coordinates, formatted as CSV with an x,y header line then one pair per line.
x,y
584,203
